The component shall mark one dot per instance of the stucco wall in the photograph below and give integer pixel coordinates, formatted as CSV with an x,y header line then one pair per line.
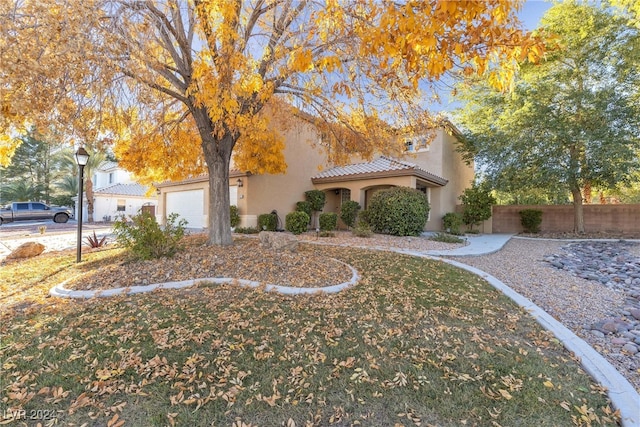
x,y
281,192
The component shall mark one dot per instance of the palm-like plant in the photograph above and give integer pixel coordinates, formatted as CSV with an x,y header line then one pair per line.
x,y
22,191
67,162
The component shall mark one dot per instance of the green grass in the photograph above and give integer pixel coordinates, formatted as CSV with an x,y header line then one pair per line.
x,y
416,342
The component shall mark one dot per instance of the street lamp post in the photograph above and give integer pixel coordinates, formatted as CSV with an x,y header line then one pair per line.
x,y
82,157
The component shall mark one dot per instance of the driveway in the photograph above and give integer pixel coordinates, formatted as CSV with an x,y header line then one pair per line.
x,y
56,237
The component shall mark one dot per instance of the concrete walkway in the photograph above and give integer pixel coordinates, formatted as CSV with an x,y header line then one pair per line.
x,y
479,244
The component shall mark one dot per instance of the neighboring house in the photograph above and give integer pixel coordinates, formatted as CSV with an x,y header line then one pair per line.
x,y
437,169
116,193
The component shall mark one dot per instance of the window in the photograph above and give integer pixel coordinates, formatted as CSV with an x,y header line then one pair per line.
x,y
110,177
38,206
122,205
345,195
22,206
408,145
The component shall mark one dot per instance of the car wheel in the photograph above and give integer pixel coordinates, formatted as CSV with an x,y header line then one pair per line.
x,y
61,218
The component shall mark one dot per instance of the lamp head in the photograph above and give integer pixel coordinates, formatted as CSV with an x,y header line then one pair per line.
x,y
82,157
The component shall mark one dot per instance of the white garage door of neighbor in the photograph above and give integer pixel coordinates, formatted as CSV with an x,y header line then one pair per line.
x,y
189,205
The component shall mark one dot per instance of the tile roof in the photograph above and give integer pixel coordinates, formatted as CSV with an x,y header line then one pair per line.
x,y
381,166
124,190
107,165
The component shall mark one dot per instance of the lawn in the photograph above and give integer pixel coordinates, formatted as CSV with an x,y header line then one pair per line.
x,y
415,343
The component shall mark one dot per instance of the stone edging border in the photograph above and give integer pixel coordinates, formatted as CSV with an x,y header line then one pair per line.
x,y
60,291
623,395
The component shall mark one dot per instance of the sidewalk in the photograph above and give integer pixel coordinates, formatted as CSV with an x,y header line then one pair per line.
x,y
481,244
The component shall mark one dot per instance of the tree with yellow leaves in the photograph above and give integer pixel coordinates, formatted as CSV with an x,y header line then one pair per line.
x,y
192,83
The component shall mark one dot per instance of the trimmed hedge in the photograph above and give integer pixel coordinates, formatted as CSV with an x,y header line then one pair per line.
x,y
349,212
296,222
452,222
531,220
316,199
304,206
234,215
267,222
328,221
399,211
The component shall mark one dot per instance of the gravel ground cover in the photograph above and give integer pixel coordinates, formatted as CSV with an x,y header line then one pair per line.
x,y
575,302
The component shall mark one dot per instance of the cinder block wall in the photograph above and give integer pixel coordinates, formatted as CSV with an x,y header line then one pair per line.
x,y
597,218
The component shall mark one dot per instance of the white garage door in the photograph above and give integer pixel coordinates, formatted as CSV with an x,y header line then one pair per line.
x,y
189,205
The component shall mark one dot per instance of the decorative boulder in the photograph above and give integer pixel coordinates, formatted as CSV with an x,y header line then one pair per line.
x,y
278,241
27,250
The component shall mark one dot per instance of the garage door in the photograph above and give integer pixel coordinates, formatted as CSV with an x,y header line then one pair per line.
x,y
189,205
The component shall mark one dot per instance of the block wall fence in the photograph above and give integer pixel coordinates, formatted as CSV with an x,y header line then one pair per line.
x,y
559,218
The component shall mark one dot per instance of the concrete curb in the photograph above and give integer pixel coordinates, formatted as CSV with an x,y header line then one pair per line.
x,y
62,292
622,394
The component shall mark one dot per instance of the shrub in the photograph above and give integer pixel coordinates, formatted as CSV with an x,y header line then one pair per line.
x,y
267,222
362,229
446,238
96,242
327,234
144,237
296,222
247,230
349,212
235,216
363,216
305,207
316,199
477,202
328,221
452,222
400,211
531,220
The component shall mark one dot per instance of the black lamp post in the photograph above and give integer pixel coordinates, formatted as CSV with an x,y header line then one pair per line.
x,y
82,157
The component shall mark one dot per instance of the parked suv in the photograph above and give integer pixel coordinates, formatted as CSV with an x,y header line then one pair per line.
x,y
25,211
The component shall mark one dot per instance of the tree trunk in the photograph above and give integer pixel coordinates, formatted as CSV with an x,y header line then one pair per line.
x,y
88,185
217,154
578,211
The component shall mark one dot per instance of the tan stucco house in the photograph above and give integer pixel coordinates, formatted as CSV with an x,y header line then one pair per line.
x,y
436,169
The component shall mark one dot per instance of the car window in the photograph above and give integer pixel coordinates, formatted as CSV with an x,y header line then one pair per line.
x,y
39,206
22,206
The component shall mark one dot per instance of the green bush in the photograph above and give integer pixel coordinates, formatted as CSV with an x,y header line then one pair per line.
x,y
247,230
297,222
316,199
305,207
362,229
349,212
399,211
328,221
363,216
235,215
452,222
144,237
531,220
477,202
446,238
267,222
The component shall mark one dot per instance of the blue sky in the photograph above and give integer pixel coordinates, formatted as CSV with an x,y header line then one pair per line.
x,y
532,11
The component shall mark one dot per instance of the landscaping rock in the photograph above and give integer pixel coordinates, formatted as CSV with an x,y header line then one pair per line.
x,y
26,250
278,241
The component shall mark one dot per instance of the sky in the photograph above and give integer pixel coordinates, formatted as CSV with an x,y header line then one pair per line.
x,y
532,11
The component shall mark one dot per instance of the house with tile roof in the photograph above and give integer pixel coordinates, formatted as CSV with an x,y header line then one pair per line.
x,y
115,193
435,168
